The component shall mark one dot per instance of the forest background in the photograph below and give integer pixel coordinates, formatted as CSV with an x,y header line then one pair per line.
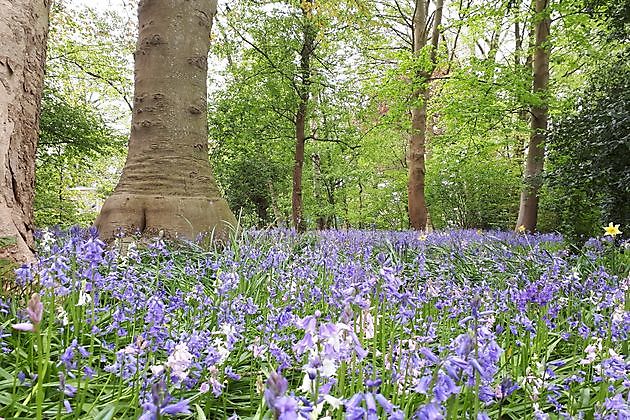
x,y
361,91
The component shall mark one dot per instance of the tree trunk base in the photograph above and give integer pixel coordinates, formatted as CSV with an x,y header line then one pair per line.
x,y
14,238
174,216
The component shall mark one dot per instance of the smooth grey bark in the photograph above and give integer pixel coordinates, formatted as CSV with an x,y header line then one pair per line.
x,y
167,184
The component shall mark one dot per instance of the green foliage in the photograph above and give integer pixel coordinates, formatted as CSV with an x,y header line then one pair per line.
x,y
252,119
88,58
615,16
472,186
363,78
589,153
7,241
70,164
85,95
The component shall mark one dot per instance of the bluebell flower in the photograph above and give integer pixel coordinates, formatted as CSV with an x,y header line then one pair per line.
x,y
159,404
285,408
276,387
619,404
429,412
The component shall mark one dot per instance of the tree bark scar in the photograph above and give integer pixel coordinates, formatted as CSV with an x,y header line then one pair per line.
x,y
155,39
7,64
143,219
200,62
15,187
204,19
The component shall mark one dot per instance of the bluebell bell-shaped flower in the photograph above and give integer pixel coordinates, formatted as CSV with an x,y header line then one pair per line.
x,y
506,388
463,345
276,386
305,344
617,404
370,404
286,408
431,411
429,355
444,388
160,404
392,411
67,357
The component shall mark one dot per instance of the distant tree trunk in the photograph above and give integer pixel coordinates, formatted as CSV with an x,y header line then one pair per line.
x,y
296,201
317,185
23,33
360,205
303,91
522,50
167,183
417,207
277,214
528,209
261,203
331,188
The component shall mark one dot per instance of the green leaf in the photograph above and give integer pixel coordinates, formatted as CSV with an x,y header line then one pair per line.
x,y
200,414
107,413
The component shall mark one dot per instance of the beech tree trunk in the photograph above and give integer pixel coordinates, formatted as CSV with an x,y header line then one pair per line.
x,y
303,91
417,207
23,33
528,208
167,183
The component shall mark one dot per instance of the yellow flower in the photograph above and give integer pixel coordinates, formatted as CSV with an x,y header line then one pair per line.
x,y
422,237
520,229
612,230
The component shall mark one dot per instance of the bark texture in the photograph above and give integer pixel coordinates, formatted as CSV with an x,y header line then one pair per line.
x,y
417,207
528,208
23,33
167,183
303,91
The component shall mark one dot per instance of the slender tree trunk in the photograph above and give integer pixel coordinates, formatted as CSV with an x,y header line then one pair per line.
x,y
415,158
308,46
167,183
528,209
522,114
417,207
331,188
317,186
277,214
522,50
23,33
262,205
360,205
296,201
